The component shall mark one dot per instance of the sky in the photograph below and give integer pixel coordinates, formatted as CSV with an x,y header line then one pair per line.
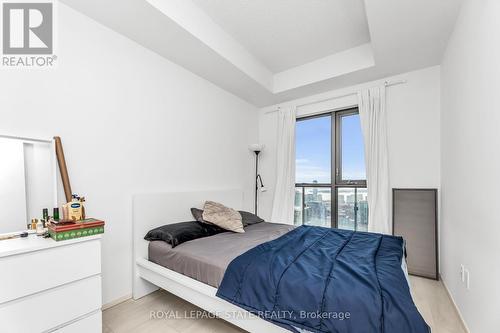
x,y
313,149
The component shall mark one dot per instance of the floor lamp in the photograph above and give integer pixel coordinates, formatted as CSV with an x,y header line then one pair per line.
x,y
259,185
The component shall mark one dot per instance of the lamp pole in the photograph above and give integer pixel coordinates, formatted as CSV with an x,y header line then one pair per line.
x,y
256,178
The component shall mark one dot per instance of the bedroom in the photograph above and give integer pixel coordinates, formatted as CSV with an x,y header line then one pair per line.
x,y
158,105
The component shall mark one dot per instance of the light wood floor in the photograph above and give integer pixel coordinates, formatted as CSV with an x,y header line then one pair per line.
x,y
134,316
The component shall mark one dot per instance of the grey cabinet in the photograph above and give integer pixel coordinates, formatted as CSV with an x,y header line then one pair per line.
x,y
414,215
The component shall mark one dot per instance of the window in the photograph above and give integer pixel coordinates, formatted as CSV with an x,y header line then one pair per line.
x,y
330,189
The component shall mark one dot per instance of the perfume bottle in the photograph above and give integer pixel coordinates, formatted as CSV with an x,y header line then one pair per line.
x,y
33,224
39,227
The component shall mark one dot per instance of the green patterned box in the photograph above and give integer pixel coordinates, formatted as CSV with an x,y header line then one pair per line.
x,y
70,234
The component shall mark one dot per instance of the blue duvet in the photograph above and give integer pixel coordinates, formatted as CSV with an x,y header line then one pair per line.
x,y
326,280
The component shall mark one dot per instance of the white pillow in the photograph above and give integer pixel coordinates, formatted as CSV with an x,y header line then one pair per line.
x,y
222,216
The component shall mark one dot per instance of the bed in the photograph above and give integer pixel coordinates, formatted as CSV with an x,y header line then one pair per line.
x,y
150,210
202,269
206,259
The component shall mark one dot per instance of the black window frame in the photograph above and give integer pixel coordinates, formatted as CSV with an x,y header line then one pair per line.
x,y
336,180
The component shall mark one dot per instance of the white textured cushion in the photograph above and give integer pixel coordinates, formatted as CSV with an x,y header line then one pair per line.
x,y
222,216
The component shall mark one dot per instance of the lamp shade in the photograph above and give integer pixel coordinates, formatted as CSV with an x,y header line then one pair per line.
x,y
256,147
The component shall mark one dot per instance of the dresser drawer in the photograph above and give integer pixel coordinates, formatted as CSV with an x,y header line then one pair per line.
x,y
31,272
51,308
89,324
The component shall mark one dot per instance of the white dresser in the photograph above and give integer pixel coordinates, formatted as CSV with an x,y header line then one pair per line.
x,y
49,286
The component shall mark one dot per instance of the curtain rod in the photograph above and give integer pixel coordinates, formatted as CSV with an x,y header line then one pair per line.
x,y
386,83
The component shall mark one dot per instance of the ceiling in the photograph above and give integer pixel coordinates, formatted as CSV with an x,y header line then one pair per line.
x,y
287,33
271,51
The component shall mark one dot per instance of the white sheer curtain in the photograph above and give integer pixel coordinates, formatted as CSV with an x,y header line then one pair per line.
x,y
284,192
373,117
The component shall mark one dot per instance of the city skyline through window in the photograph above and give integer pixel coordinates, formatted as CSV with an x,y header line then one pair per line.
x,y
326,198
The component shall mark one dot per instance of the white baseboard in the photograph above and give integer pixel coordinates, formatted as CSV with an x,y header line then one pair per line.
x,y
454,305
116,302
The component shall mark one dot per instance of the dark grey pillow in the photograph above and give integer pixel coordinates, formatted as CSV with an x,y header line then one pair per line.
x,y
247,218
178,233
198,215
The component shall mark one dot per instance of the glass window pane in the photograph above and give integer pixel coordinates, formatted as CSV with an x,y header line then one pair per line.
x,y
353,157
298,206
352,209
362,195
318,206
345,208
313,150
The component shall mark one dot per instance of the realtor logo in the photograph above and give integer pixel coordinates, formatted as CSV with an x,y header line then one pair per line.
x,y
28,29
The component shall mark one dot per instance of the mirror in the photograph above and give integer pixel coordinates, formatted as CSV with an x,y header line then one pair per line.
x,y
28,181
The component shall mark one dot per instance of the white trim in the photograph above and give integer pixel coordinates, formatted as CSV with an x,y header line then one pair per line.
x,y
115,302
455,305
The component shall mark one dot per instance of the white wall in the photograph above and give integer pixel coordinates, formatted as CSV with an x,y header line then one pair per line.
x,y
130,122
413,130
471,164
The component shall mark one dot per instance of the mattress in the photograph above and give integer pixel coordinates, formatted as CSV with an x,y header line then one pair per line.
x,y
206,259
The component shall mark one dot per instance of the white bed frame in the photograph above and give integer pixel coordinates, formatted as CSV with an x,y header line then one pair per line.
x,y
155,209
